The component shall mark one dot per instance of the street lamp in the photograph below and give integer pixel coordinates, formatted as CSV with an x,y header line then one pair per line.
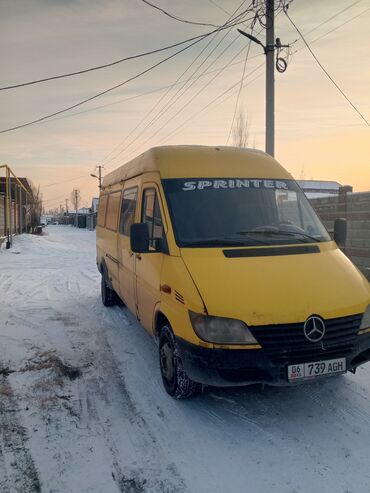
x,y
98,177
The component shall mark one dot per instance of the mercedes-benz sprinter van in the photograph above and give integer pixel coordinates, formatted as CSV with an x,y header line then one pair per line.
x,y
220,256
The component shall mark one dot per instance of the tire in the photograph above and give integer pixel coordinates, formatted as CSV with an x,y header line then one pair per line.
x,y
108,296
175,380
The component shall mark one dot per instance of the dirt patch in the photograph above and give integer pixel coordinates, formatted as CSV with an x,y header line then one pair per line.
x,y
68,320
5,372
131,485
49,360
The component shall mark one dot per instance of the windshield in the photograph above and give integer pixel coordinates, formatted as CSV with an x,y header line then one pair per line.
x,y
240,211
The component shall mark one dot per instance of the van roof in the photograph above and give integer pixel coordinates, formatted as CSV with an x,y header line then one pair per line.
x,y
193,161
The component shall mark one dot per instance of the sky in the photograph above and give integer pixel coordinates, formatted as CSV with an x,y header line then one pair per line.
x,y
318,134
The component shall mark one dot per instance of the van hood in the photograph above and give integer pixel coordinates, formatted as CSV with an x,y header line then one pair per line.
x,y
277,289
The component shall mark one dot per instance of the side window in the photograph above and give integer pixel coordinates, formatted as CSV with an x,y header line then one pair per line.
x,y
128,210
102,210
112,211
151,214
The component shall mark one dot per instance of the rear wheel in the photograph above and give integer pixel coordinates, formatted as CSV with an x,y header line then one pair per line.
x,y
108,296
175,380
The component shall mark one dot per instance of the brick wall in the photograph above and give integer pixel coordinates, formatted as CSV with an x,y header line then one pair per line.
x,y
355,207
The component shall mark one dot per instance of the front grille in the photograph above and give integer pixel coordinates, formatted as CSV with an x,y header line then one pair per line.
x,y
287,343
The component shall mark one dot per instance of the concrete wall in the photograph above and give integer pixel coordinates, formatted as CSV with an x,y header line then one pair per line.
x,y
355,207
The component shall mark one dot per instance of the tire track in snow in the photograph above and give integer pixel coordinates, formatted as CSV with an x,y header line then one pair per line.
x,y
20,475
106,389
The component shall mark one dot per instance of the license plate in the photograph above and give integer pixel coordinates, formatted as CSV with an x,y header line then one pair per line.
x,y
316,369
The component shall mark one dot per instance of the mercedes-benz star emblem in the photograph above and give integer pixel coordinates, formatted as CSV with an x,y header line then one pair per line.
x,y
314,329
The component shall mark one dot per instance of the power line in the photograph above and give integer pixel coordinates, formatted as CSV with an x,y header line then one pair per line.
x,y
99,67
330,19
171,101
114,87
208,105
240,88
167,105
218,6
147,93
326,72
179,19
336,27
63,181
178,80
188,102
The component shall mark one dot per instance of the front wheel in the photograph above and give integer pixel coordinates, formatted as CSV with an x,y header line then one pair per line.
x,y
175,380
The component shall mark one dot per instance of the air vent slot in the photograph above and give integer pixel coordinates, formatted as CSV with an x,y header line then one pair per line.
x,y
179,297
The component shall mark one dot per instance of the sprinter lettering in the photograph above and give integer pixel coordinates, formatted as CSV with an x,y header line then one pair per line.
x,y
218,184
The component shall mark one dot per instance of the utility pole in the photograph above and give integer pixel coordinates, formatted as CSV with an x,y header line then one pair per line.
x,y
76,204
99,175
280,63
99,168
67,206
270,78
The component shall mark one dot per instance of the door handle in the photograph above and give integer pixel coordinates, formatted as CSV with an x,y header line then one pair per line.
x,y
130,253
138,256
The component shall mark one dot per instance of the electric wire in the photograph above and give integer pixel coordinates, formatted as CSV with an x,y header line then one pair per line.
x,y
106,91
63,181
326,72
218,6
329,19
165,107
278,9
99,67
240,89
178,81
179,19
187,103
143,94
204,74
173,100
216,99
334,29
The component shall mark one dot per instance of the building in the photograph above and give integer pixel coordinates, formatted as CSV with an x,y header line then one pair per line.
x,y
16,202
320,188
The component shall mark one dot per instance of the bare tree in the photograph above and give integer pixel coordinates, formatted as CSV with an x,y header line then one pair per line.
x,y
241,132
35,208
76,198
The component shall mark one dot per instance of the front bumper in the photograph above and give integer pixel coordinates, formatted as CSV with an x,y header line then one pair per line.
x,y
233,367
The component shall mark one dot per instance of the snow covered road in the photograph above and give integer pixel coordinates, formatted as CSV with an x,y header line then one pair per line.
x,y
82,408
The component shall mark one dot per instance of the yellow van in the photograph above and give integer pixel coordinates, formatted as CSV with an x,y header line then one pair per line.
x,y
218,253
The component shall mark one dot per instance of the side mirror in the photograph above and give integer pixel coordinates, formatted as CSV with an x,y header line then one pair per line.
x,y
139,237
340,231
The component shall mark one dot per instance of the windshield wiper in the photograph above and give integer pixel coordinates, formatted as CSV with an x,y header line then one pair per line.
x,y
279,232
227,241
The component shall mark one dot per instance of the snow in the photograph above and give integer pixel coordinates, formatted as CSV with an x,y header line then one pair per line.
x,y
82,408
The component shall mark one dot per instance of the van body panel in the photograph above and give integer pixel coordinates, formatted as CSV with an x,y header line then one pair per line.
x,y
107,254
126,266
197,162
274,289
183,297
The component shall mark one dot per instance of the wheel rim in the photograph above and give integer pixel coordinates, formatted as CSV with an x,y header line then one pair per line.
x,y
167,362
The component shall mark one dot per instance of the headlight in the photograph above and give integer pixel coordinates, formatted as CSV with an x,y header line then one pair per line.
x,y
221,330
365,323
